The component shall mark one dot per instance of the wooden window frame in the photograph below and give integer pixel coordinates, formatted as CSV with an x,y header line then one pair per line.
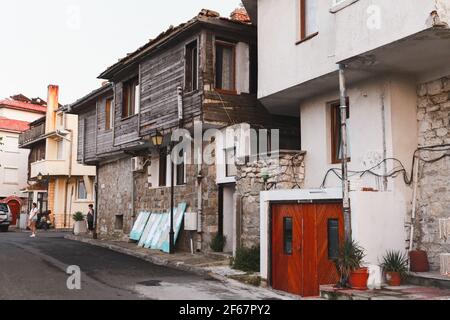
x,y
163,168
109,114
189,78
128,104
180,170
335,129
233,46
303,36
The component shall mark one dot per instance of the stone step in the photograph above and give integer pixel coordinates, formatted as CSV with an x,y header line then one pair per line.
x,y
429,279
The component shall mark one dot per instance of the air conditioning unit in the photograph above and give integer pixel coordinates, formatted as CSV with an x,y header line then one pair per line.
x,y
137,164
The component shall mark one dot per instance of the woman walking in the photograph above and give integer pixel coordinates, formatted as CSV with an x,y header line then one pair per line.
x,y
33,219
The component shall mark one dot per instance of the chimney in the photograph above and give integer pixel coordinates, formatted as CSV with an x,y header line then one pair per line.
x,y
52,107
241,15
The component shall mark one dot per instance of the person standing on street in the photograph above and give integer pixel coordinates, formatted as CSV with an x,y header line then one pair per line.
x,y
33,220
90,218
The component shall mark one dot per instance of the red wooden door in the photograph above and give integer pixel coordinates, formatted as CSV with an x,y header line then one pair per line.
x,y
302,256
286,249
14,206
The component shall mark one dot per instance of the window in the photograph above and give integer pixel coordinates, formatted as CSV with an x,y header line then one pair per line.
x,y
131,98
163,168
11,144
333,239
82,193
60,118
191,77
60,150
230,162
308,19
180,175
109,114
225,66
11,175
118,224
336,137
288,232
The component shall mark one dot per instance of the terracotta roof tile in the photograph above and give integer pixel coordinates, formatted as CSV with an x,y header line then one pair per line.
x,y
13,125
23,106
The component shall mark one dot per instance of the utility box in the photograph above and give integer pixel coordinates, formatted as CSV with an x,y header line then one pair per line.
x,y
190,221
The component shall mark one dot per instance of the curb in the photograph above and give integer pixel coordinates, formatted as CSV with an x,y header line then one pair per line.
x,y
174,265
155,260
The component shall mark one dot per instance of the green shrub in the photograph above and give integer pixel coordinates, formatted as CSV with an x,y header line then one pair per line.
x,y
78,216
218,243
247,259
395,261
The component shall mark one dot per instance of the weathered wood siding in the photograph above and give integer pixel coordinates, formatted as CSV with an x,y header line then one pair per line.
x,y
86,135
125,130
161,75
104,143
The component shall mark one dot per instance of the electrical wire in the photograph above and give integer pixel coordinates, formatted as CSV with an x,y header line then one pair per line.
x,y
400,169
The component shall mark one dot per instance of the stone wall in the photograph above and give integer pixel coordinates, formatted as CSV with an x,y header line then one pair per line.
x,y
284,172
434,182
115,198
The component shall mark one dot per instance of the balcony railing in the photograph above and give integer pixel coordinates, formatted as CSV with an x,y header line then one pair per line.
x,y
31,135
49,167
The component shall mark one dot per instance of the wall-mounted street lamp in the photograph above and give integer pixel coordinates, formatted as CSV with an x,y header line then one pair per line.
x,y
41,178
158,140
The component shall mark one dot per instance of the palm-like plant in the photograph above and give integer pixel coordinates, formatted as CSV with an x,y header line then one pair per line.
x,y
78,216
350,258
395,261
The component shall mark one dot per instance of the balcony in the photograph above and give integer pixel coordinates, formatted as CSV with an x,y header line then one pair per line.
x,y
31,136
49,167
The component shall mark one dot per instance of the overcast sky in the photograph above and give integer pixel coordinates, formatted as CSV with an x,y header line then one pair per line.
x,y
70,42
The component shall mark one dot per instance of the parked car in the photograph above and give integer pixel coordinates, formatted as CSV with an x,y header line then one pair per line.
x,y
5,217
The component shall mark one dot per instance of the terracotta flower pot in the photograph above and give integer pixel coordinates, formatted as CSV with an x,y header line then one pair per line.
x,y
394,279
419,261
358,279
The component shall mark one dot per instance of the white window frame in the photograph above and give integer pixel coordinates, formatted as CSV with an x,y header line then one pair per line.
x,y
16,170
6,147
78,190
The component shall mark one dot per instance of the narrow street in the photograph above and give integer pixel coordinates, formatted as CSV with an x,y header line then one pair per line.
x,y
36,269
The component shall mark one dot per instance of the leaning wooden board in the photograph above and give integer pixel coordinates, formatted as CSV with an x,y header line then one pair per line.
x,y
139,226
159,230
178,221
153,230
146,230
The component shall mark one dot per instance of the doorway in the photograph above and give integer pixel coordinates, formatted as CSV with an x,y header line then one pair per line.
x,y
227,215
14,206
305,241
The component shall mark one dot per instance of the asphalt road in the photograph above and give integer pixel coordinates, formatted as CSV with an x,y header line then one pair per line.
x,y
37,269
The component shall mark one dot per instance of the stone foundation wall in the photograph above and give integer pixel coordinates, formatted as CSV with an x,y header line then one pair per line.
x,y
434,182
115,197
287,172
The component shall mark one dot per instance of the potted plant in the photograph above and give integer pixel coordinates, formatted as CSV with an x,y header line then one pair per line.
x,y
349,266
395,266
80,225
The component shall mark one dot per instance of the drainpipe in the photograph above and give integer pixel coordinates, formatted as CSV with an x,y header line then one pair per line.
x,y
96,186
383,123
132,197
345,181
414,204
